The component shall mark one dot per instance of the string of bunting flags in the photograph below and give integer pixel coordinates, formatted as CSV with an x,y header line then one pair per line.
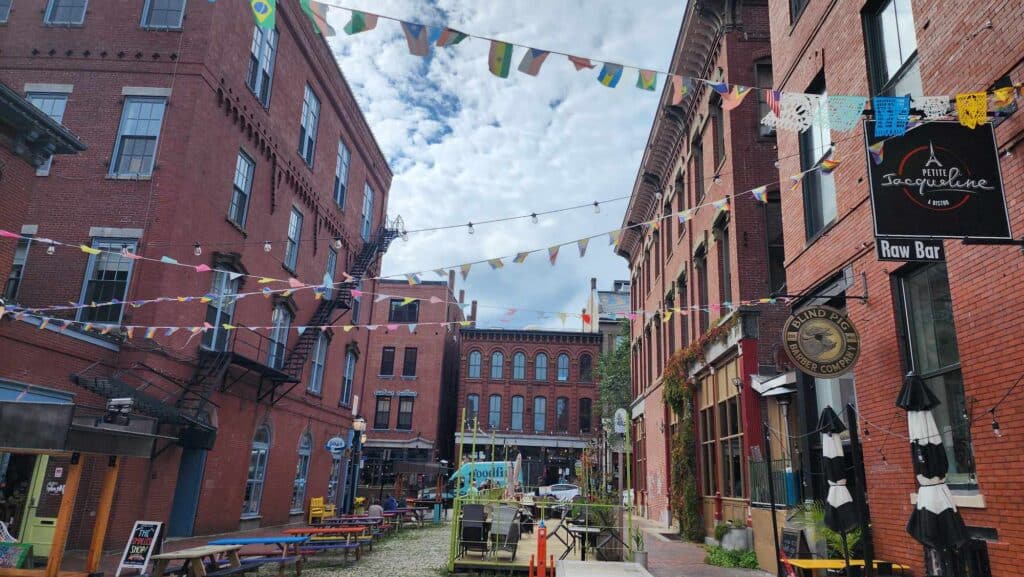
x,y
791,111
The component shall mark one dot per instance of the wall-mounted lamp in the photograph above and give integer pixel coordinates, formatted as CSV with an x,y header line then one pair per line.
x,y
738,383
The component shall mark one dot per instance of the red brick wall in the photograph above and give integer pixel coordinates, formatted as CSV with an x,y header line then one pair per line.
x,y
16,178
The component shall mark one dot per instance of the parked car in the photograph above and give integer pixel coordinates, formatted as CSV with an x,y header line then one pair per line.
x,y
430,495
564,491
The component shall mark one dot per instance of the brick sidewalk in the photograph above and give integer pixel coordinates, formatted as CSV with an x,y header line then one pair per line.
x,y
667,558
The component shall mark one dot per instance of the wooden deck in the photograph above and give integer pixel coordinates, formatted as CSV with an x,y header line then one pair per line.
x,y
503,561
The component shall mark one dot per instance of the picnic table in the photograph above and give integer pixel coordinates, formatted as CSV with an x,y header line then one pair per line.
x,y
806,565
195,561
286,552
332,539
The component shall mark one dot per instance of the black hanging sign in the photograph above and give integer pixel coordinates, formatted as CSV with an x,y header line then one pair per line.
x,y
939,180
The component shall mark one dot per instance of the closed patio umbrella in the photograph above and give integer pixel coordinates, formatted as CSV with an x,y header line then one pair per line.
x,y
840,511
935,522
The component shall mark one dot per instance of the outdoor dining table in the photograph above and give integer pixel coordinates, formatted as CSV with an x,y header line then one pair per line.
x,y
328,532
582,535
287,548
194,559
809,565
418,513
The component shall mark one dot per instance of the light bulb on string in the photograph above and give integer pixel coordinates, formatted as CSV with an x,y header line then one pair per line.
x,y
51,249
469,228
405,236
533,218
995,427
717,179
597,207
778,164
337,243
197,249
267,246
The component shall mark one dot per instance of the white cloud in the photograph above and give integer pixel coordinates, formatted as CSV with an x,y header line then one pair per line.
x,y
465,145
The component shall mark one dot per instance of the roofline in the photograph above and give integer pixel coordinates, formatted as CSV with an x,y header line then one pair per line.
x,y
56,130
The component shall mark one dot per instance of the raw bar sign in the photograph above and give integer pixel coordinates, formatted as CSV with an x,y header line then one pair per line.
x,y
939,180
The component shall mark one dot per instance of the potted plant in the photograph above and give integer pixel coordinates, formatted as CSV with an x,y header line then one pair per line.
x,y
639,548
733,535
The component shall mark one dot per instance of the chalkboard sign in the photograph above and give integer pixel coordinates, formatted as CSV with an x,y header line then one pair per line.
x,y
146,537
794,544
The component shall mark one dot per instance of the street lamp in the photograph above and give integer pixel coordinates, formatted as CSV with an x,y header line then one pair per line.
x,y
358,439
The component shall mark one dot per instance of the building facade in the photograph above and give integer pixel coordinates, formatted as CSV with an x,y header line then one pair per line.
x,y
529,393
608,308
216,143
941,320
696,279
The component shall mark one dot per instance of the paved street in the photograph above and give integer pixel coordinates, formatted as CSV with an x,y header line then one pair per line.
x,y
677,559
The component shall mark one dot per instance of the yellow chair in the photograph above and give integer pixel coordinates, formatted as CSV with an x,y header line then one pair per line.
x,y
318,510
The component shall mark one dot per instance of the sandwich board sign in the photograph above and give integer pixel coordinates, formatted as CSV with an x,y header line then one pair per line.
x,y
146,537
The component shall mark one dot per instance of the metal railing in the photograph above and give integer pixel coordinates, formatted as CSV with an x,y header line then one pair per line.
x,y
785,478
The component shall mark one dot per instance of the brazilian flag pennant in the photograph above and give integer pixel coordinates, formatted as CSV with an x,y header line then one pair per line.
x,y
264,11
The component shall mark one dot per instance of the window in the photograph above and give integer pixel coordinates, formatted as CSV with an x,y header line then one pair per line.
x,y
316,373
52,105
291,249
562,414
262,54
709,478
333,480
5,10
763,79
387,362
586,415
356,304
341,174
301,474
220,310
497,365
106,279
540,367
329,271
409,362
717,117
382,416
494,412
776,245
367,219
308,126
282,321
163,13
698,167
135,147
819,188
700,263
17,270
69,12
730,443
517,413
586,368
932,352
405,413
563,367
796,8
892,49
400,312
519,366
680,188
258,455
472,409
724,265
540,417
474,364
350,374
241,189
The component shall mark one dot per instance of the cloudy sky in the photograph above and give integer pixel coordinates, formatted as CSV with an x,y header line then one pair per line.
x,y
468,146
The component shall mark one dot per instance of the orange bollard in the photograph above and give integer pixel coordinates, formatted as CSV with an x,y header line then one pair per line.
x,y
531,567
542,550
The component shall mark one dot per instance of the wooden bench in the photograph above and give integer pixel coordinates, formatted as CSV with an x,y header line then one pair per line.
x,y
313,548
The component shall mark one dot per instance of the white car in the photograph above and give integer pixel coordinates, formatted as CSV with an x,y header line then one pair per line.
x,y
564,492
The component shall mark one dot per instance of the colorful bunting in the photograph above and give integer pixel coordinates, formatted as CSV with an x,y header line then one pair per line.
x,y
891,115
680,86
495,263
392,327
440,272
89,249
295,283
844,112
380,298
408,300
166,260
412,327
932,107
773,98
9,234
580,63
264,12
450,37
416,38
552,254
613,237
203,268
520,257
610,74
721,204
412,279
1002,98
356,293
499,58
582,245
797,112
684,216
434,299
532,61
828,165
465,270
317,13
563,316
760,194
972,108
731,96
876,151
586,318
666,316
360,22
647,80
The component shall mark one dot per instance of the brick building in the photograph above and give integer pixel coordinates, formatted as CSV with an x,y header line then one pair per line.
x,y
609,307
529,392
216,143
411,376
689,277
945,321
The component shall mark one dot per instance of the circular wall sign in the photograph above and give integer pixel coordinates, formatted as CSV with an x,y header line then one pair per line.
x,y
821,341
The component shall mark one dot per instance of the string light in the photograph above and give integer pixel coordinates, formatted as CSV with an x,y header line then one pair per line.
x,y
717,179
51,249
337,243
469,228
597,207
533,218
197,249
405,235
995,426
266,246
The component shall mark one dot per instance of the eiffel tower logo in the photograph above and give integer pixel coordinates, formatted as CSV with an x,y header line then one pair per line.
x,y
931,157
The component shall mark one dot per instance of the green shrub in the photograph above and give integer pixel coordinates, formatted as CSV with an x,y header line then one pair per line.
x,y
720,557
721,530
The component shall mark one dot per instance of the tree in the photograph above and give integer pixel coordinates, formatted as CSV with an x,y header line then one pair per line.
x,y
614,391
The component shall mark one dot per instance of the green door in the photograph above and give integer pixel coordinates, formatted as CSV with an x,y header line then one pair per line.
x,y
44,497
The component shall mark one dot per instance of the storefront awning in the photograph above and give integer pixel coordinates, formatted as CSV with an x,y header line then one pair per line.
x,y
773,385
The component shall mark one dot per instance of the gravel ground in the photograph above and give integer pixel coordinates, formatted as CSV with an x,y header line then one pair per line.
x,y
411,553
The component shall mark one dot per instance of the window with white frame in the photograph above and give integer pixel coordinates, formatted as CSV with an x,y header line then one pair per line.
x,y
540,367
137,137
494,412
405,405
563,367
262,54
241,189
220,310
819,188
329,272
540,414
474,364
316,374
258,456
350,375
892,48
282,322
519,366
367,218
291,249
341,174
301,474
5,10
106,278
333,480
163,14
308,126
17,270
66,12
53,105
517,413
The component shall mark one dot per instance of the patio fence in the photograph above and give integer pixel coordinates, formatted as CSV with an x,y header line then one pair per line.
x,y
788,487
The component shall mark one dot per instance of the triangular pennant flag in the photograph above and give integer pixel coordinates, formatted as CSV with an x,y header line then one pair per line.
x,y
613,237
684,216
203,268
361,22
666,316
972,108
563,316
372,327
465,323
300,330
760,193
264,13
45,322
876,151
828,165
582,245
580,63
230,327
532,61
235,275
1002,98
552,254
8,234
170,331
125,253
520,257
610,74
721,204
440,272
465,270
392,326
356,294
734,97
499,60
586,318
265,280
408,300
130,332
680,87
495,263
450,37
412,327
379,298
317,13
347,328
647,80
295,283
434,299
168,260
416,38
412,279
89,249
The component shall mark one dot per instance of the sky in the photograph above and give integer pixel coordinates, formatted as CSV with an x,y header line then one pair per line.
x,y
465,145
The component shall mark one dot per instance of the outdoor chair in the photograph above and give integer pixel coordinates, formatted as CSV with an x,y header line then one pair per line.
x,y
505,529
474,533
5,535
318,510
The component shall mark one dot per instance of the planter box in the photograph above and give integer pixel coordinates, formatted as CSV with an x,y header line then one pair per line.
x,y
737,539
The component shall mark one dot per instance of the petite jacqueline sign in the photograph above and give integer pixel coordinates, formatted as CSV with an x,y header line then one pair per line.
x,y
822,341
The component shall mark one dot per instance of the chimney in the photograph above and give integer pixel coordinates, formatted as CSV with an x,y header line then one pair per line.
x,y
472,314
593,282
451,280
462,296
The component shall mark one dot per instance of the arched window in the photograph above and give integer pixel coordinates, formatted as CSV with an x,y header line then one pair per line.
x,y
518,366
497,365
586,368
494,412
562,414
472,407
563,367
540,414
586,415
540,367
257,472
301,473
517,413
474,365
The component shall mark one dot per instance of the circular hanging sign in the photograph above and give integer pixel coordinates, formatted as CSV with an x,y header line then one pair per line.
x,y
821,341
335,446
